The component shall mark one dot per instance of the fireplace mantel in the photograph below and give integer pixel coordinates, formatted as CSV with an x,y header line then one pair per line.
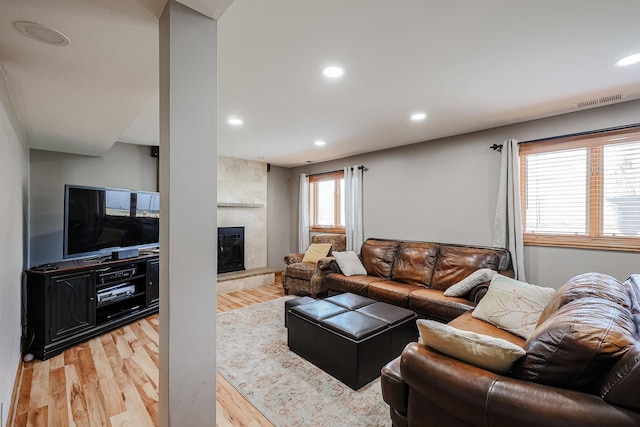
x,y
240,205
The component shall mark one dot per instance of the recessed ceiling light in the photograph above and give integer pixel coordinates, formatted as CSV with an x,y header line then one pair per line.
x,y
42,33
629,60
416,117
319,143
234,121
333,72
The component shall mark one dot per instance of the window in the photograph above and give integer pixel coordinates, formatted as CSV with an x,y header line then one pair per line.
x,y
582,191
326,195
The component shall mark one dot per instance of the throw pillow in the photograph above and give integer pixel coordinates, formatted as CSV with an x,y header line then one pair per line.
x,y
349,263
464,286
316,251
484,351
513,305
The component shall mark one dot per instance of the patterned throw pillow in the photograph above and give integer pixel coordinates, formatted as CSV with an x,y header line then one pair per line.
x,y
484,351
513,305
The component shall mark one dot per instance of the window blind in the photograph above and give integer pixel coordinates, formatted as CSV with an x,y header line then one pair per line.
x,y
583,191
327,200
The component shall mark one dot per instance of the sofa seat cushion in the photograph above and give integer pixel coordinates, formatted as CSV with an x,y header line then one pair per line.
x,y
378,255
457,262
390,292
434,304
414,263
467,322
300,270
355,284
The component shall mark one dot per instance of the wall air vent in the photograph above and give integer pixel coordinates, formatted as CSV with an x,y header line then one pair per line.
x,y
598,101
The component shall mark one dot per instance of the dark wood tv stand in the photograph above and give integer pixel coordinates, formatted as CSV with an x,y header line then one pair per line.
x,y
71,301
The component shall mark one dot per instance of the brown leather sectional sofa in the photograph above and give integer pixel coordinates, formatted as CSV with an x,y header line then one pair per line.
x,y
581,368
415,275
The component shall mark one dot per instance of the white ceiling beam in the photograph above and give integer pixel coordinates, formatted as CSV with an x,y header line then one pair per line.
x,y
211,8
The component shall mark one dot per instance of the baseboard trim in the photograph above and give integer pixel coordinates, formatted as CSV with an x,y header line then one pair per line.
x,y
17,384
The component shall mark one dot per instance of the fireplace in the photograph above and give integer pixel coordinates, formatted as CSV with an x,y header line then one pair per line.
x,y
230,249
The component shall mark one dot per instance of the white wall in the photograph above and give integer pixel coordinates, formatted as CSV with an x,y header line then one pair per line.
x,y
445,190
14,163
278,216
125,166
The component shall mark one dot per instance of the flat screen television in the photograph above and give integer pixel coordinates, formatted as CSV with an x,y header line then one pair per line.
x,y
98,221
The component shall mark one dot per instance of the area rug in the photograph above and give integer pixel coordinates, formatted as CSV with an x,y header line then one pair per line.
x,y
252,354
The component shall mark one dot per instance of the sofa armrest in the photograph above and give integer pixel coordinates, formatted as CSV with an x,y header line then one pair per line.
x,y
328,265
293,258
394,390
478,292
451,385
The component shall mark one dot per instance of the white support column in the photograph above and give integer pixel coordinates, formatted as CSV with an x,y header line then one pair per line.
x,y
188,224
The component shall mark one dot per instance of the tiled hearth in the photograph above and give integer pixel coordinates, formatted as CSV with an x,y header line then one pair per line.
x,y
246,279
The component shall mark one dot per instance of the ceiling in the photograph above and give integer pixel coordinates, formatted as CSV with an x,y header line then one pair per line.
x,y
468,64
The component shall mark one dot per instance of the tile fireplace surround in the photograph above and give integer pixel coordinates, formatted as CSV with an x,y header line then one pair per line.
x,y
242,202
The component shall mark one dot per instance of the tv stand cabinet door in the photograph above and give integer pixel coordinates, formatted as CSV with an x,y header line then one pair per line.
x,y
153,282
73,306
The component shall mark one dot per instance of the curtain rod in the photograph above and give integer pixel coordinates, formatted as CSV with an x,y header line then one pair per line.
x,y
498,147
362,168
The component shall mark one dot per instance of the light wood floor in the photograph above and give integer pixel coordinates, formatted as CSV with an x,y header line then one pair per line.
x,y
112,380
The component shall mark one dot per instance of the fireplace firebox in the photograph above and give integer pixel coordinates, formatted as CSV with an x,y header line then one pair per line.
x,y
230,249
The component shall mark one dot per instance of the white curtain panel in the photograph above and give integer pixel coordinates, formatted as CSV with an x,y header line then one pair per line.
x,y
353,207
303,214
507,228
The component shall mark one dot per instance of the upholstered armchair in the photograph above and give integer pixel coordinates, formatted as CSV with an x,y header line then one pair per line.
x,y
304,277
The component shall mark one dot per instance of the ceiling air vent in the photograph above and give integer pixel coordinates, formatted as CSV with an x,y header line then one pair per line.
x,y
598,101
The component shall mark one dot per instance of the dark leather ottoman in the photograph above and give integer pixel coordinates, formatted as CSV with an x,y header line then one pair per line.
x,y
288,304
349,336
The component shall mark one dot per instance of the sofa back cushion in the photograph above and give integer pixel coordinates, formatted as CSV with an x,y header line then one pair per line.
x,y
454,263
338,241
586,285
377,256
575,346
414,263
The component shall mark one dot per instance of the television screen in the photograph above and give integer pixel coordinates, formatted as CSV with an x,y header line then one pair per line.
x,y
100,220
